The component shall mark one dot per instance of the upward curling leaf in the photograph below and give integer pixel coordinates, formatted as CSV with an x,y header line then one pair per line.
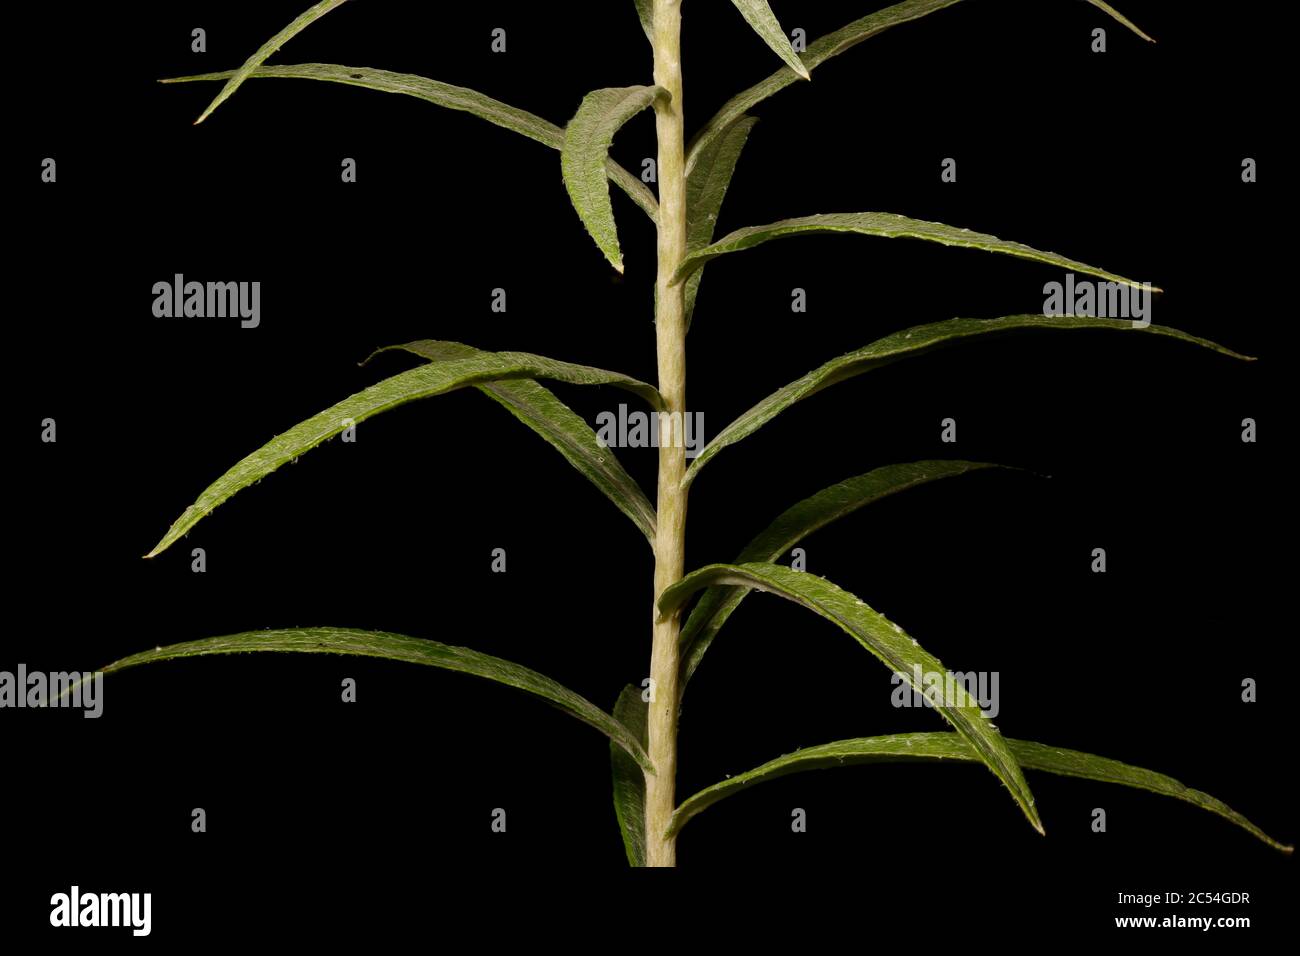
x,y
586,149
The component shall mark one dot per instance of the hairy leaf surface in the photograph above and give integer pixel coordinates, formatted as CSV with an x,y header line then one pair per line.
x,y
423,382
758,14
791,527
629,780
538,407
886,225
947,746
645,10
910,342
706,187
818,52
237,77
1103,5
884,639
442,94
398,647
587,139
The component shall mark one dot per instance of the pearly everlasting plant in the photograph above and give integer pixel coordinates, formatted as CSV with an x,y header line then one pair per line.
x,y
692,180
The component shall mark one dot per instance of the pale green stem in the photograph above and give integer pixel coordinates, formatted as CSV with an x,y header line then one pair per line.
x,y
670,326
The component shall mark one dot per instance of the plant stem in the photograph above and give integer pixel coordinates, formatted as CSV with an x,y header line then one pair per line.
x,y
670,327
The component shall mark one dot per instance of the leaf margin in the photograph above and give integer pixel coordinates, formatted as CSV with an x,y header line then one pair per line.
x,y
948,745
884,639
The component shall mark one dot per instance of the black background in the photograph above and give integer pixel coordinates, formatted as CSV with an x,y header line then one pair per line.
x,y
354,816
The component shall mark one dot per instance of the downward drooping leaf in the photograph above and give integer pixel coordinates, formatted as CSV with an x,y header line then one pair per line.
x,y
706,187
442,94
537,407
1104,6
398,647
238,76
760,16
587,139
793,525
423,382
818,52
629,780
883,638
886,225
947,746
910,342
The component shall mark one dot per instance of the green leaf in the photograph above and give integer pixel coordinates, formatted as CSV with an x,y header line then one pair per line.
x,y
818,52
914,341
886,225
398,647
706,187
442,94
538,408
795,524
1102,5
940,746
629,780
266,49
423,382
760,16
825,47
587,139
645,9
883,638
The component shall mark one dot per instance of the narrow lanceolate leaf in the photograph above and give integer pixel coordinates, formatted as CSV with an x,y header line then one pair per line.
x,y
818,52
445,95
910,342
586,150
883,638
423,382
760,16
629,780
538,408
303,21
1103,5
793,525
946,746
397,647
706,187
887,225
825,47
